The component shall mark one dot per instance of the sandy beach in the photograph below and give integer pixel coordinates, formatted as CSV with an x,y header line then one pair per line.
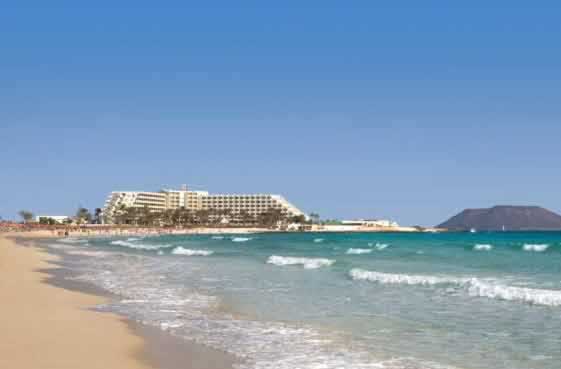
x,y
42,326
47,327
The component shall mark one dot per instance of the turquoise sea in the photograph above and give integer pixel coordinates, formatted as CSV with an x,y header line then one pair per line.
x,y
318,300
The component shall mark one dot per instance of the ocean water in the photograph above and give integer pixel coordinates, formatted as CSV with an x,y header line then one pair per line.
x,y
398,301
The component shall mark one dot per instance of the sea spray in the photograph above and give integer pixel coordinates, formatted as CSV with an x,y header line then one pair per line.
x,y
483,247
391,278
241,239
352,251
188,252
307,263
475,287
535,247
139,246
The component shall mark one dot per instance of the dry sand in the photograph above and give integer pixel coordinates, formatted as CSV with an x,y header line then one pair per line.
x,y
44,327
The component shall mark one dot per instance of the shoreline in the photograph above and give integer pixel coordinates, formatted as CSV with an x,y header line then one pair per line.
x,y
148,232
46,307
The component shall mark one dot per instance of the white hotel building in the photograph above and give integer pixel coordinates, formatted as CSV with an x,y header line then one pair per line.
x,y
253,204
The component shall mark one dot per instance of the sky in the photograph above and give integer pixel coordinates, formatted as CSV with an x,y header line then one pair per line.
x,y
405,110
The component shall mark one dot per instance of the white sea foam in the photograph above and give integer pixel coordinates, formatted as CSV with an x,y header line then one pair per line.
x,y
308,263
57,246
146,297
475,287
139,246
217,237
132,239
241,239
188,252
90,253
318,240
390,278
72,240
352,251
483,247
535,247
381,246
378,246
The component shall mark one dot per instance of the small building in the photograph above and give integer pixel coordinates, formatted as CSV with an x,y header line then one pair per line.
x,y
370,223
60,219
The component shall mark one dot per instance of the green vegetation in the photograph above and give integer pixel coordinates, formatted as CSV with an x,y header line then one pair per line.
x,y
83,216
315,218
49,221
26,215
182,217
97,216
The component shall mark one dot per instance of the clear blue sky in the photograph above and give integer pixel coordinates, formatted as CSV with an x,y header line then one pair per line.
x,y
351,109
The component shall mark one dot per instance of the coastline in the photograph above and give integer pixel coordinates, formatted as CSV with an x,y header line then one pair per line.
x,y
49,321
59,232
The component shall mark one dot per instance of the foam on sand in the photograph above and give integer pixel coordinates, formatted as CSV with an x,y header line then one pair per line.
x,y
535,247
483,247
308,263
352,251
188,252
241,239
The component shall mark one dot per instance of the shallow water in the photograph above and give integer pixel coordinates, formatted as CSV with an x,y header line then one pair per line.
x,y
455,300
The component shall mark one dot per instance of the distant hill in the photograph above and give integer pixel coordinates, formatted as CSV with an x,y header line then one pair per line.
x,y
513,218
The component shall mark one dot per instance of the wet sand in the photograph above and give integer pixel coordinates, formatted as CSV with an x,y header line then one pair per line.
x,y
46,322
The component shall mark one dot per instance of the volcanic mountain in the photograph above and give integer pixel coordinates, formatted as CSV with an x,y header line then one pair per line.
x,y
510,218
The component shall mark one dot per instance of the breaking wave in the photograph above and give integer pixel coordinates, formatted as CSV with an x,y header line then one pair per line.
x,y
535,247
390,278
241,239
72,240
352,251
139,246
217,237
95,254
474,287
478,288
379,246
188,252
319,240
483,247
308,263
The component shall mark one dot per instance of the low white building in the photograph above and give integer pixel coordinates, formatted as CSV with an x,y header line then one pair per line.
x,y
370,223
57,218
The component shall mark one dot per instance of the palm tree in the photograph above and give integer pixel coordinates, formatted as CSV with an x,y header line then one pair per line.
x,y
25,215
83,215
97,215
119,216
203,216
315,218
185,217
271,217
245,217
